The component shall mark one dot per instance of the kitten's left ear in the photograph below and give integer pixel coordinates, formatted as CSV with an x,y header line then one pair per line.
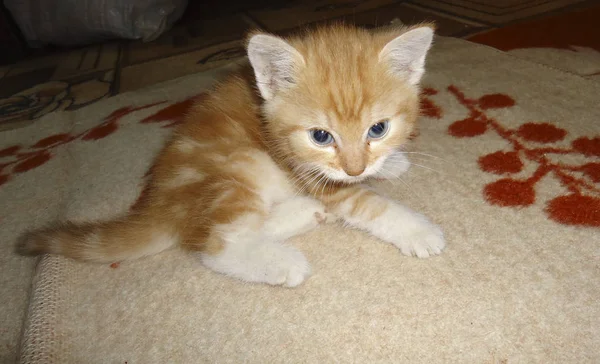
x,y
275,63
405,54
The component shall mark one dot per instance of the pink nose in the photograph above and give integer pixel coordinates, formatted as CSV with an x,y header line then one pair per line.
x,y
354,170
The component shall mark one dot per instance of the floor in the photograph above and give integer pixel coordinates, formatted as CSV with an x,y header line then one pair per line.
x,y
211,32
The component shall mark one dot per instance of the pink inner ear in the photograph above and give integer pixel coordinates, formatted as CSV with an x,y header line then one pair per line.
x,y
406,54
274,62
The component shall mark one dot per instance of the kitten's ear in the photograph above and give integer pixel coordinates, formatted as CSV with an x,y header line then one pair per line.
x,y
275,63
405,55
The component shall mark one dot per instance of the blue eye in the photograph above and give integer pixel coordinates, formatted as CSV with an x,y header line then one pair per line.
x,y
321,137
378,130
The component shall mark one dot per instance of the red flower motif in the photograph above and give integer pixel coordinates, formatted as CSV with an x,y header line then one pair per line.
x,y
495,101
428,108
101,131
501,162
32,162
52,140
592,170
588,147
119,113
173,113
468,127
39,153
6,152
508,192
541,132
429,91
575,209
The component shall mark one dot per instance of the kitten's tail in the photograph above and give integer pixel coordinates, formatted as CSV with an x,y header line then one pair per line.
x,y
114,241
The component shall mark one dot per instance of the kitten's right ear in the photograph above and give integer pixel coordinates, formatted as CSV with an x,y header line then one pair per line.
x,y
275,63
406,53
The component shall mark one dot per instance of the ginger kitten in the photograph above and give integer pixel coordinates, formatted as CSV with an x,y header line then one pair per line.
x,y
276,149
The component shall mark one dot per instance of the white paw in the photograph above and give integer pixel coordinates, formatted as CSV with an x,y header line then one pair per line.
x,y
305,209
296,216
422,240
324,217
270,263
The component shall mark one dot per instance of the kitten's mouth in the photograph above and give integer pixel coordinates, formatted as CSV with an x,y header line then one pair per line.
x,y
385,168
323,176
340,176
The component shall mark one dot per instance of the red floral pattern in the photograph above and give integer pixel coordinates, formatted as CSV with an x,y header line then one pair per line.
x,y
428,107
581,204
23,159
41,152
174,113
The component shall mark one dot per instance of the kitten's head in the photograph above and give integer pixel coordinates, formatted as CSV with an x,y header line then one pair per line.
x,y
341,101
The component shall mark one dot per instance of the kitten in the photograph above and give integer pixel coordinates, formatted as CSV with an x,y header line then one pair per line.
x,y
277,148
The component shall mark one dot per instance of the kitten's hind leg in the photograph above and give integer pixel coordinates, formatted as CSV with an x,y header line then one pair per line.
x,y
237,245
295,216
260,262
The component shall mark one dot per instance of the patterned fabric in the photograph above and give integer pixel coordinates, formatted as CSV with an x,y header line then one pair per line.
x,y
509,171
533,142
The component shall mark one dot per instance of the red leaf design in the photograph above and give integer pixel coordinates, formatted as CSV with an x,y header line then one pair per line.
x,y
9,151
4,178
588,147
591,170
429,91
52,140
501,162
428,108
495,101
173,113
575,210
101,131
32,162
469,127
111,125
541,132
508,192
119,113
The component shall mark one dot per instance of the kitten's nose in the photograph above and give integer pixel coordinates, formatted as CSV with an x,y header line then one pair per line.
x,y
354,170
353,159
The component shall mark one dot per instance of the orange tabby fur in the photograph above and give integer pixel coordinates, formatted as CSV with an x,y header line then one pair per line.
x,y
225,169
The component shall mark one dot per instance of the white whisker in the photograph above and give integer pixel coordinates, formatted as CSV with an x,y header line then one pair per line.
x,y
428,168
421,153
402,160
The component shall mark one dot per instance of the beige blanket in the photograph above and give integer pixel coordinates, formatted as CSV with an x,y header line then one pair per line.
x,y
511,173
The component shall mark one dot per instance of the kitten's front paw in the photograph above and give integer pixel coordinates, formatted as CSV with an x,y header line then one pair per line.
x,y
303,208
296,216
324,217
422,240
